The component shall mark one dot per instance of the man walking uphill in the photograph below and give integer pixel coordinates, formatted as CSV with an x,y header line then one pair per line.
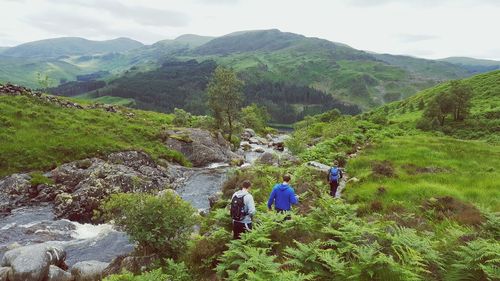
x,y
282,196
334,176
242,210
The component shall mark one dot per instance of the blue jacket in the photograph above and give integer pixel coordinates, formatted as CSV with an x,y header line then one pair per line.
x,y
282,196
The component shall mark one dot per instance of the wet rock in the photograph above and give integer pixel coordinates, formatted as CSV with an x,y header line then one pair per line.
x,y
15,185
57,274
214,198
254,140
259,150
88,270
4,273
247,134
268,158
32,262
245,145
200,146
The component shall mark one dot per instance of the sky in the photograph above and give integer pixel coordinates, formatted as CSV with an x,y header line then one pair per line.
x,y
423,28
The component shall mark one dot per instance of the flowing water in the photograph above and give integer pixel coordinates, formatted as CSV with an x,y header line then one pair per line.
x,y
37,224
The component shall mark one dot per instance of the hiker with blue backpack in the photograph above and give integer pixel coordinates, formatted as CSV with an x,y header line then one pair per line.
x,y
242,210
283,196
334,176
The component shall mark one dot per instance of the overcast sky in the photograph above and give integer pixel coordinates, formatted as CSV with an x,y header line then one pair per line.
x,y
423,28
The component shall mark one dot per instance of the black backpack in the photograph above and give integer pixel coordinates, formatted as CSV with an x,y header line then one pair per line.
x,y
238,208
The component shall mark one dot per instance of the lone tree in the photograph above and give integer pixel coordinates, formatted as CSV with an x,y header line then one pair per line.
x,y
461,95
225,99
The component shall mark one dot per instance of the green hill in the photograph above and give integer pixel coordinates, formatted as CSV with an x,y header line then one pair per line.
x,y
483,121
353,77
70,46
70,133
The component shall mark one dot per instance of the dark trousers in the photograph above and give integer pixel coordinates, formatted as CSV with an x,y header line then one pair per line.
x,y
239,228
281,211
333,188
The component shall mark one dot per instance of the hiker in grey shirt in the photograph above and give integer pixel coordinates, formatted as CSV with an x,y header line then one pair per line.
x,y
242,210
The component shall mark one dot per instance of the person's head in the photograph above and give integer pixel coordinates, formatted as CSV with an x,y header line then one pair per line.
x,y
246,184
286,178
335,163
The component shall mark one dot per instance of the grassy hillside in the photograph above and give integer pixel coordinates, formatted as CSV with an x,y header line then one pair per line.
x,y
351,75
38,136
484,119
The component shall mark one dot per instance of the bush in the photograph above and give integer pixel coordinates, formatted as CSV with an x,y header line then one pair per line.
x,y
172,272
160,225
182,118
38,178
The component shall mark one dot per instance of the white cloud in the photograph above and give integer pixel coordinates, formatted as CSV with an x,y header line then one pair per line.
x,y
432,29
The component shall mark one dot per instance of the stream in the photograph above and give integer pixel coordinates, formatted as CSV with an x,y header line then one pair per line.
x,y
82,242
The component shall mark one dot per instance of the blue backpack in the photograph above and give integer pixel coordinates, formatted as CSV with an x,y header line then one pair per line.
x,y
334,174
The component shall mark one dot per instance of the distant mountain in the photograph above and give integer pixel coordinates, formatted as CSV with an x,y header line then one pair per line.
x,y
248,41
70,46
264,59
439,70
2,49
474,65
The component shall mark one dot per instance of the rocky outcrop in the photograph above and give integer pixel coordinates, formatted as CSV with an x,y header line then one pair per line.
x,y
80,186
268,158
32,262
88,270
200,146
16,90
85,185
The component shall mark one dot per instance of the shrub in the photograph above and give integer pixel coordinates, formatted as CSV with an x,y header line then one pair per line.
x,y
160,225
38,178
182,118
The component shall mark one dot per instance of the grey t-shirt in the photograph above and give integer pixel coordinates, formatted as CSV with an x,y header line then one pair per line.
x,y
249,205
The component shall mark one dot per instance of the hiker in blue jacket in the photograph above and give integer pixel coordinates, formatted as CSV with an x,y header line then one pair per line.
x,y
282,196
334,176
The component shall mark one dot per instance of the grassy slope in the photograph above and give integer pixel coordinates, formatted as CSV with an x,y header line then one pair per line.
x,y
469,171
38,136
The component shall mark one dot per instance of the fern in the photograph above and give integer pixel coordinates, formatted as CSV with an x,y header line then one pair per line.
x,y
478,260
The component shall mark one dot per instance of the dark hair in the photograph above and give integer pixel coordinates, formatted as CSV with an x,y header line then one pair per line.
x,y
246,184
287,178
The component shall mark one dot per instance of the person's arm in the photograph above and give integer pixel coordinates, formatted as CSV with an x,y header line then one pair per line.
x,y
293,198
251,205
271,199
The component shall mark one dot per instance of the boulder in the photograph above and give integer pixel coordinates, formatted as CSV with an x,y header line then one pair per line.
x,y
134,264
268,158
57,274
259,150
318,166
245,145
4,273
32,262
82,185
247,134
88,270
15,190
254,140
200,146
214,198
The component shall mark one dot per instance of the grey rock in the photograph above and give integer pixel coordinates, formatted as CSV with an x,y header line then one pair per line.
x,y
254,140
83,184
57,274
4,273
88,270
259,150
268,158
200,146
247,134
214,198
318,166
134,264
32,262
